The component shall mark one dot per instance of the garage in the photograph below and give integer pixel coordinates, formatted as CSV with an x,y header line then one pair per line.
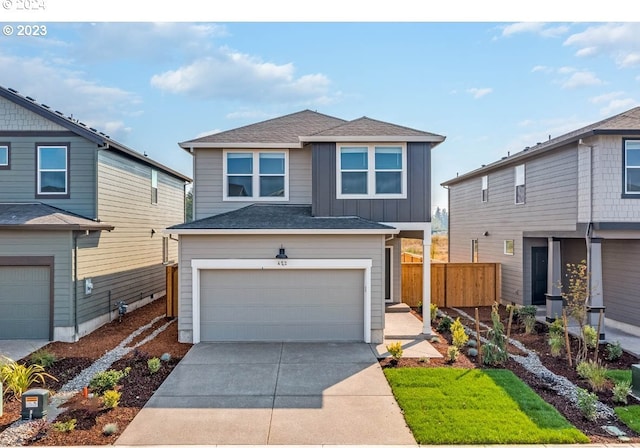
x,y
25,302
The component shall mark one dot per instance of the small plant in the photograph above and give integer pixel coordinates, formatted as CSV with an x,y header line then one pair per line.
x,y
473,352
594,372
621,391
43,357
614,351
111,399
110,429
587,404
103,381
556,344
494,353
153,364
452,354
527,314
433,311
472,343
424,360
166,357
458,335
66,426
444,325
395,350
434,339
18,378
590,335
556,328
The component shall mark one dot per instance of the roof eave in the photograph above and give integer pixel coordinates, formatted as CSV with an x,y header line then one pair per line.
x,y
55,227
373,138
389,231
235,145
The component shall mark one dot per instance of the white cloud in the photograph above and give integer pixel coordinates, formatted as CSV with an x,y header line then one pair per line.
x,y
232,75
581,79
613,102
540,28
620,41
525,123
566,70
541,68
479,92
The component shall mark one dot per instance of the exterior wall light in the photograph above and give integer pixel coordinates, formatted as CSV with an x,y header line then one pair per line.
x,y
281,253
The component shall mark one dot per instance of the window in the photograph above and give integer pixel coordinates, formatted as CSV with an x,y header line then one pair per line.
x,y
52,170
371,171
485,188
508,247
165,249
632,167
520,185
154,186
5,156
254,176
474,251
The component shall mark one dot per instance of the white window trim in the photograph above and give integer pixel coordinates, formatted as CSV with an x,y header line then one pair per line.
x,y
255,176
518,183
513,248
65,171
485,187
371,172
627,166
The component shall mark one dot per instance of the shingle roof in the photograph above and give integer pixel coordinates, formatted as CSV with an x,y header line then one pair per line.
x,y
627,122
280,217
366,126
38,216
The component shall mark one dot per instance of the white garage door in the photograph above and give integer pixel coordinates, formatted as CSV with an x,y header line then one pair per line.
x,y
272,305
24,302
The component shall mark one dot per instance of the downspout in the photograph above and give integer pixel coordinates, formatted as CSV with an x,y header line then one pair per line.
x,y
75,286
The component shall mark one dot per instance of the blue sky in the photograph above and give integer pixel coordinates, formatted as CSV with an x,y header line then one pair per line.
x,y
489,87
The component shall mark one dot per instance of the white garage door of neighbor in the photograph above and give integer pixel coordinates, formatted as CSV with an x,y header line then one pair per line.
x,y
272,305
24,302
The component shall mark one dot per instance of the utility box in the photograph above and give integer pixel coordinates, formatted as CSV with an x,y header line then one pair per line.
x,y
635,379
35,403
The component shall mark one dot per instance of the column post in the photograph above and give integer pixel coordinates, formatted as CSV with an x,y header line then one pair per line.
x,y
426,280
596,299
554,278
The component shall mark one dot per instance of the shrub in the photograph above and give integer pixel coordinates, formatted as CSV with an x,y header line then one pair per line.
x,y
103,381
614,351
527,314
556,328
18,378
66,426
472,343
109,429
434,339
433,311
473,352
452,353
111,399
153,364
587,404
594,372
590,336
166,357
395,350
621,391
445,324
556,344
43,357
494,352
424,360
458,335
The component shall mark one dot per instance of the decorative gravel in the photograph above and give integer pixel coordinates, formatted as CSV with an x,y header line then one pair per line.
x,y
23,430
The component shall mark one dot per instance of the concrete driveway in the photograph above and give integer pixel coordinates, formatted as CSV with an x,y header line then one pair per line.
x,y
272,393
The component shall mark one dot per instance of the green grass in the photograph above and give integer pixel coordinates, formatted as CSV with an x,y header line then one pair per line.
x,y
630,415
619,375
472,406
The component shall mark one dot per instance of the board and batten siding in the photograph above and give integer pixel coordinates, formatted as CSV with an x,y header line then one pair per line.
x,y
621,280
209,177
55,244
127,262
415,208
550,205
20,185
266,247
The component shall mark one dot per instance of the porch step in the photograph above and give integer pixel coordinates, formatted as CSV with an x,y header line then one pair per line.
x,y
397,308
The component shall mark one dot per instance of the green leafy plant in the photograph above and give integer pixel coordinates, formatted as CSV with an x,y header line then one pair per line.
x,y
614,351
103,381
18,378
494,353
621,391
576,296
590,335
594,372
556,344
452,354
395,350
424,360
110,429
111,399
43,357
587,404
527,314
153,364
458,335
444,325
556,328
66,426
433,311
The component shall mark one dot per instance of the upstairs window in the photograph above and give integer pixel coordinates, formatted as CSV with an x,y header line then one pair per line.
x,y
474,251
632,167
520,184
256,176
5,156
154,186
52,166
508,247
485,188
371,171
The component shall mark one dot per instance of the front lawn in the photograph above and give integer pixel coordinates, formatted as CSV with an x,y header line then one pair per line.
x,y
618,375
630,415
471,406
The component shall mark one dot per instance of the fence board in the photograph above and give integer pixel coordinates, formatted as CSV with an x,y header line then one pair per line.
x,y
172,290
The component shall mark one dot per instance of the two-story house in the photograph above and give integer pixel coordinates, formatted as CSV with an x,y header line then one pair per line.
x,y
571,198
81,217
297,230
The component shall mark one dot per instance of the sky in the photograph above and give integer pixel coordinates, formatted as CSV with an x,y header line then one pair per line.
x,y
490,87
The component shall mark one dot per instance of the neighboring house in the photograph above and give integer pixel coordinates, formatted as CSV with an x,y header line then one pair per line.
x,y
575,197
297,228
80,223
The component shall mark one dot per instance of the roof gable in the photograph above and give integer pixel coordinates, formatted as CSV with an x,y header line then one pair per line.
x,y
366,126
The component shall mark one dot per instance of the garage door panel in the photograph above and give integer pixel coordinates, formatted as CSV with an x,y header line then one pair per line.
x,y
270,305
24,302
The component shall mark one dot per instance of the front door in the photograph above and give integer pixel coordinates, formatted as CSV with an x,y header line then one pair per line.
x,y
388,274
538,275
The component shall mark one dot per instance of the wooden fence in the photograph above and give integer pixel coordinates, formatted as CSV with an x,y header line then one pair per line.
x,y
172,289
453,284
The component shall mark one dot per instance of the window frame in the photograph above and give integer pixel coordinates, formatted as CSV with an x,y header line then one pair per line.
x,y
255,176
154,186
485,188
6,146
513,247
474,250
165,249
523,184
53,195
371,171
625,193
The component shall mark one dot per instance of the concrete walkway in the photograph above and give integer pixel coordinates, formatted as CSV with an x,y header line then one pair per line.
x,y
17,349
407,329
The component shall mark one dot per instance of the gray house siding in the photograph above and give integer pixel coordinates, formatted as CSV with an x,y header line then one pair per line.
x,y
416,208
208,182
621,280
297,246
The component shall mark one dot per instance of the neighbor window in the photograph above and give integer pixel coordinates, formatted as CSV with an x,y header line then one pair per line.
x,y
165,249
260,175
474,251
5,156
485,188
520,184
52,166
375,171
508,247
632,167
154,186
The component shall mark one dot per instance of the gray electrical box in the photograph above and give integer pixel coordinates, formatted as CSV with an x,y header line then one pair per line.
x,y
35,403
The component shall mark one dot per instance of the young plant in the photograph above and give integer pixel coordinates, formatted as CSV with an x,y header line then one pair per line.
x,y
452,354
494,352
395,350
166,357
433,311
614,351
621,391
103,381
458,335
556,328
111,399
110,429
444,325
43,357
528,316
587,404
153,364
595,373
18,378
66,426
577,297
590,335
556,344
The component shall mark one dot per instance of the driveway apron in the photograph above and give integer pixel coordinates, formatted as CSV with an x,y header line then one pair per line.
x,y
272,393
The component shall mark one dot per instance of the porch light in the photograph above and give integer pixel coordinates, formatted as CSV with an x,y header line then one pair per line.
x,y
281,253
